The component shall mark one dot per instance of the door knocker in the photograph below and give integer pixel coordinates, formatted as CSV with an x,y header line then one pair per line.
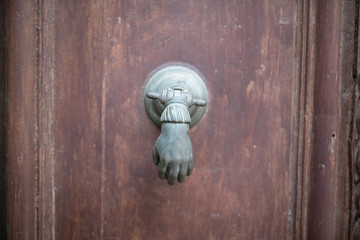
x,y
175,99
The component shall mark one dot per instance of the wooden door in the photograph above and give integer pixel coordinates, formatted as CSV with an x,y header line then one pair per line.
x,y
272,156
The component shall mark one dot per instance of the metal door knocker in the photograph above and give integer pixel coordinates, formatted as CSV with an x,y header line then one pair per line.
x,y
175,99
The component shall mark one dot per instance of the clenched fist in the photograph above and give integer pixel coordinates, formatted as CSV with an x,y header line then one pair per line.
x,y
172,152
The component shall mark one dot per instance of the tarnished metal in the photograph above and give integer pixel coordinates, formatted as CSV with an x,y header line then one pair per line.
x,y
175,99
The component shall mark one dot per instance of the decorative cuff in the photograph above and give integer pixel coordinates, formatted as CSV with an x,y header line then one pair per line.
x,y
176,113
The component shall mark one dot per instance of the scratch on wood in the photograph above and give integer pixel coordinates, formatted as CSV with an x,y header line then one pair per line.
x,y
103,124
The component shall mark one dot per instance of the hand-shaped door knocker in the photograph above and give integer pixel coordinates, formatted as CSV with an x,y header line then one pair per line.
x,y
175,99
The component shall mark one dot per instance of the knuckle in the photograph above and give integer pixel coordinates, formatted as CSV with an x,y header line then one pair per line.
x,y
176,157
174,175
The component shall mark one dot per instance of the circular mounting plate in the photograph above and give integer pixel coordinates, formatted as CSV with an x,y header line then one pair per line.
x,y
175,75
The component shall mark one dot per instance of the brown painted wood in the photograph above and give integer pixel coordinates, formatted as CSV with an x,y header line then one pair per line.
x,y
3,116
240,185
77,86
22,118
331,94
46,210
272,156
237,168
355,147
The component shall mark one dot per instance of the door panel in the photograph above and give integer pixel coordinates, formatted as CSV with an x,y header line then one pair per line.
x,y
104,138
263,159
77,159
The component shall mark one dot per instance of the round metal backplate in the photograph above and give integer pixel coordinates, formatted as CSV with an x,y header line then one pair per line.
x,y
170,76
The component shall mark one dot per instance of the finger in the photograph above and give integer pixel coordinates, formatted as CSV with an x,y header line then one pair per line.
x,y
173,175
190,168
155,155
162,169
182,172
167,172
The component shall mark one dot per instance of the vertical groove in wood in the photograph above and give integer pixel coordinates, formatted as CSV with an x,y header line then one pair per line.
x,y
297,123
103,123
355,140
304,82
37,114
307,79
46,119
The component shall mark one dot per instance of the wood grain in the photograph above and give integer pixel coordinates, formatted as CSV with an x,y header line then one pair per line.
x,y
23,112
355,145
78,34
240,185
3,116
46,120
272,154
333,52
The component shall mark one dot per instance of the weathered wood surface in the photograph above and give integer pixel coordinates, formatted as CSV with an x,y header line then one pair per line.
x,y
328,107
106,184
22,120
3,115
355,147
269,154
